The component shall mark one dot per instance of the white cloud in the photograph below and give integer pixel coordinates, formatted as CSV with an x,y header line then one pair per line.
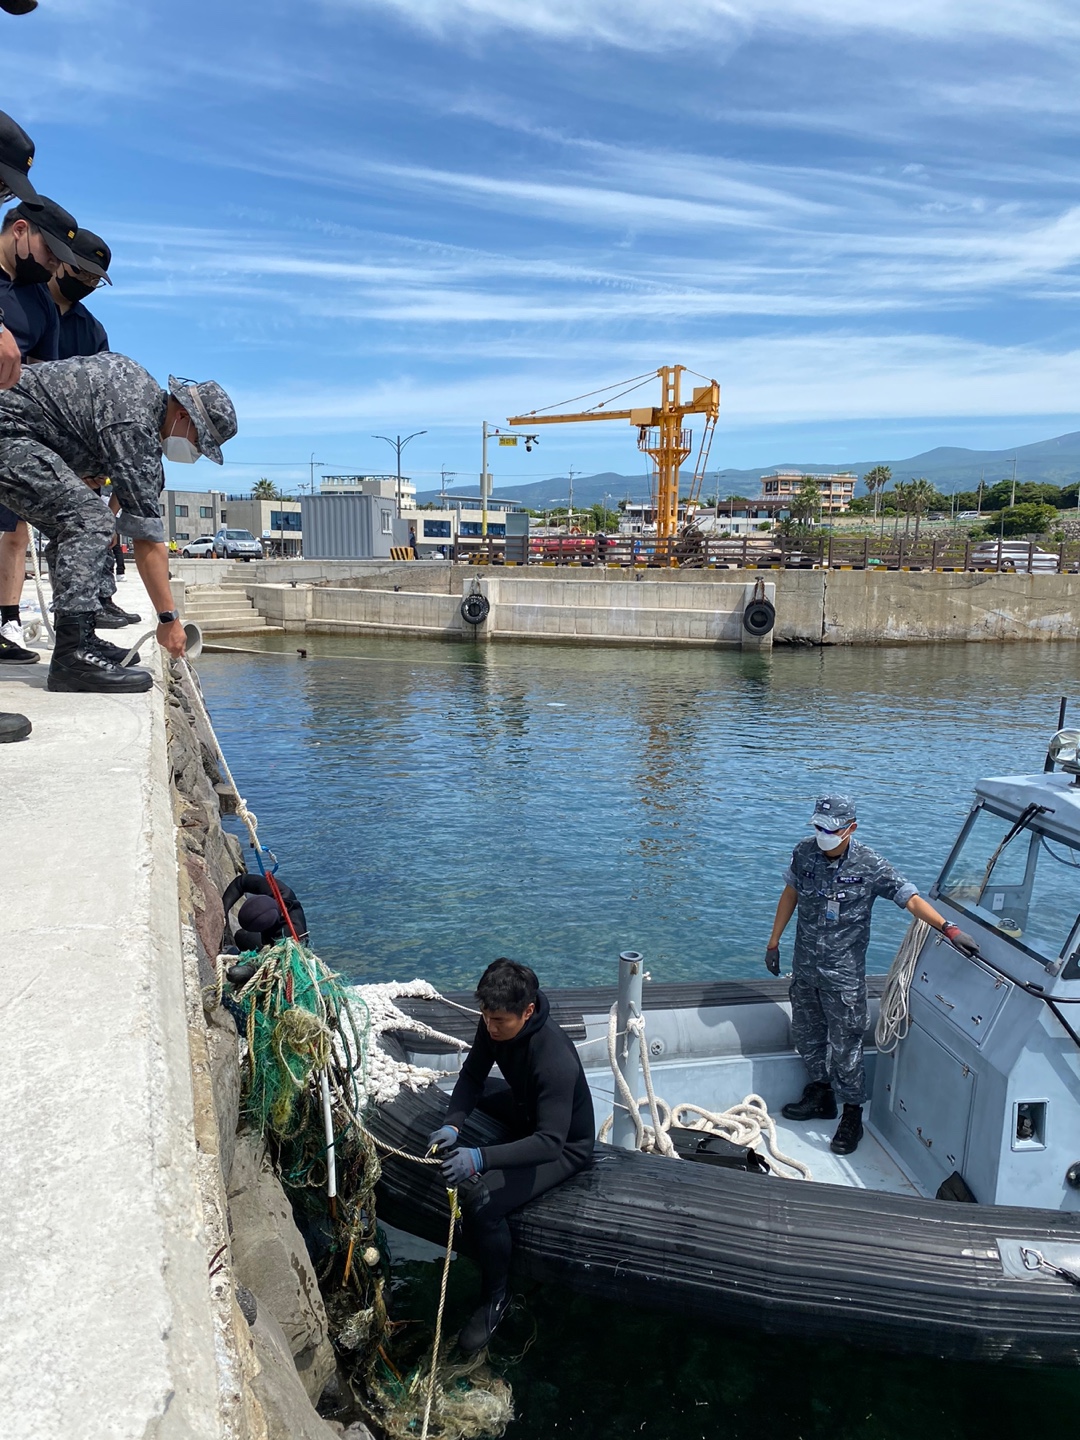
x,y
637,24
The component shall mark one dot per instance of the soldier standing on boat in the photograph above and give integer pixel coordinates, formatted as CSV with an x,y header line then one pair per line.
x,y
546,1109
833,881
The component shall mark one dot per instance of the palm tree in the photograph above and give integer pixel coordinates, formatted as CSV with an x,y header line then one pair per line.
x,y
265,489
806,502
920,494
875,481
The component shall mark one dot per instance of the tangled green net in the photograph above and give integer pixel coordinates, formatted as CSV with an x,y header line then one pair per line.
x,y
301,1023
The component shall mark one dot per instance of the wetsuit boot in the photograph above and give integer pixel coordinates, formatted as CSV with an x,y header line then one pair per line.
x,y
79,667
818,1103
849,1132
482,1323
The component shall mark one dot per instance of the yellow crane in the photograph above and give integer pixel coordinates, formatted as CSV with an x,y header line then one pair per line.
x,y
662,434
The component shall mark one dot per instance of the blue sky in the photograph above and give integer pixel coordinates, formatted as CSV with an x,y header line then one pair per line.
x,y
380,216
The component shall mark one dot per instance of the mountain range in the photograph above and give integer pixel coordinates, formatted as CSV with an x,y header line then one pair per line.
x,y
948,467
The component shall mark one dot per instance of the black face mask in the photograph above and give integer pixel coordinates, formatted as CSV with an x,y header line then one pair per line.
x,y
29,271
73,289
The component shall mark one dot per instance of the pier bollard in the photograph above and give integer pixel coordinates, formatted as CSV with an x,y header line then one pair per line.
x,y
627,1047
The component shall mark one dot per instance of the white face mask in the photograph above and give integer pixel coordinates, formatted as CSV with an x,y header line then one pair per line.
x,y
827,840
179,449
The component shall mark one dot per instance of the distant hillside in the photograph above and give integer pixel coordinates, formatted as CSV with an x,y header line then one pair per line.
x,y
1053,462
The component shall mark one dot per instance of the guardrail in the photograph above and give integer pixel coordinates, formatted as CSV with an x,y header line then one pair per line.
x,y
824,551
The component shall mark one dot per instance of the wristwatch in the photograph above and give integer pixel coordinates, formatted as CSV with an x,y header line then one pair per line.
x,y
166,617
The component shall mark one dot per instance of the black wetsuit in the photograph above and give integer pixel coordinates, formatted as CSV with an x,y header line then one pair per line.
x,y
259,885
546,1109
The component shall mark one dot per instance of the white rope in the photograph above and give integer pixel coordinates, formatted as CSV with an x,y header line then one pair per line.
x,y
385,1077
33,630
894,1015
742,1124
248,817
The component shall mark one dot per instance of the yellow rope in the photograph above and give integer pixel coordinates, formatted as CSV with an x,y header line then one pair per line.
x,y
455,1215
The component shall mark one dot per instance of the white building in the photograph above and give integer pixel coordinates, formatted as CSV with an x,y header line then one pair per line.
x,y
384,486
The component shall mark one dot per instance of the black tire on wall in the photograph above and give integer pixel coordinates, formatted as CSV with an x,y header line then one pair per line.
x,y
475,608
759,617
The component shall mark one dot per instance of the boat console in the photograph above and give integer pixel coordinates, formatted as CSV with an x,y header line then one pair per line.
x,y
986,1083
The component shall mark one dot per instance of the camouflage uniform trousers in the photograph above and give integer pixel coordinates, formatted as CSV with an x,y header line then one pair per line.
x,y
828,1022
39,487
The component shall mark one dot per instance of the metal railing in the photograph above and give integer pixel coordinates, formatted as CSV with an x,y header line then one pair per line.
x,y
807,553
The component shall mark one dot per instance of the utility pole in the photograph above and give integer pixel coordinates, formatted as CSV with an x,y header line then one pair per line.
x,y
398,444
311,472
444,473
982,482
570,515
1013,499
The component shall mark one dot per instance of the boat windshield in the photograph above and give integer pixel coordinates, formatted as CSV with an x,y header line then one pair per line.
x,y
1027,888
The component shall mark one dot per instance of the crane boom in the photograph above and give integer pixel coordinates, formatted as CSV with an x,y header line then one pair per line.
x,y
661,434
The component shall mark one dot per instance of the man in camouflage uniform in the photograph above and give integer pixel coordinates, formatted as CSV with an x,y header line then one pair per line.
x,y
833,881
102,415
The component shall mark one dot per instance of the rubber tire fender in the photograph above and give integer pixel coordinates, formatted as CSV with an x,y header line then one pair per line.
x,y
475,608
759,617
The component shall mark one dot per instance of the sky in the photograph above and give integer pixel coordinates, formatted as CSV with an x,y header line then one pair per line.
x,y
375,217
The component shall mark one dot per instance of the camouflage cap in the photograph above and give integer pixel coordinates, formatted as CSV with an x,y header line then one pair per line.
x,y
211,411
16,157
832,813
18,7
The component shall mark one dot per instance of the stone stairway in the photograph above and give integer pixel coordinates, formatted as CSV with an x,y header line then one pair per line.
x,y
224,610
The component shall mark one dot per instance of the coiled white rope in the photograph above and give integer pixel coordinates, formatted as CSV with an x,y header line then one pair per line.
x,y
894,1016
742,1124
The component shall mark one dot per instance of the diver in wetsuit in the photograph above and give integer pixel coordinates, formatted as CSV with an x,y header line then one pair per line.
x,y
546,1108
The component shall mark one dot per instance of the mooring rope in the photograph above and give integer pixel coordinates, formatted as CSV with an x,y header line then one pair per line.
x,y
893,1016
742,1124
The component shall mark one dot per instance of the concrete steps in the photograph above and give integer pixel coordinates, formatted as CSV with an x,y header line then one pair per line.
x,y
224,610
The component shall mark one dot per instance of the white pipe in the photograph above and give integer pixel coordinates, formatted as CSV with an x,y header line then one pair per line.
x,y
328,1126
192,635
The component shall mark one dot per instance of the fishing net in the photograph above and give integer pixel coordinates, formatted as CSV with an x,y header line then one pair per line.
x,y
312,1047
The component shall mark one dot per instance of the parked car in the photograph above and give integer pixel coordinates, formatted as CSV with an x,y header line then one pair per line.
x,y
1016,555
237,545
200,549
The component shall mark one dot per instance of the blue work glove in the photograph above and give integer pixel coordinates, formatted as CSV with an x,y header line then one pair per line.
x,y
461,1165
442,1139
772,959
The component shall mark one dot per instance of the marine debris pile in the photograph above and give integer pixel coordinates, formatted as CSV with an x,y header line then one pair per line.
x,y
312,1064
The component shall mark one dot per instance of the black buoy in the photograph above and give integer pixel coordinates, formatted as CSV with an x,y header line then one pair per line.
x,y
302,654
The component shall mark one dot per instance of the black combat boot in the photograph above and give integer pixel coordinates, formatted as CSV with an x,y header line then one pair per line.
x,y
13,727
817,1103
110,617
78,666
482,1323
116,653
848,1132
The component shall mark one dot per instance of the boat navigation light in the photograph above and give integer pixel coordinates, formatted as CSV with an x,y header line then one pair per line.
x,y
1065,750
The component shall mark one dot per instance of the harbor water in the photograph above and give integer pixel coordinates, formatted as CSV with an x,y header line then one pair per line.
x,y
436,806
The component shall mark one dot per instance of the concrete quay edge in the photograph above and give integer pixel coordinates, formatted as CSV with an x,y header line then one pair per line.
x,y
107,1323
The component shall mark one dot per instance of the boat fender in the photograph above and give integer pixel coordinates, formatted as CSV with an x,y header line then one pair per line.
x,y
475,608
715,1150
759,617
956,1188
1072,1175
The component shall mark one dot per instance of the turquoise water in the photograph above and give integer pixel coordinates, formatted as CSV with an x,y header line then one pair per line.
x,y
437,805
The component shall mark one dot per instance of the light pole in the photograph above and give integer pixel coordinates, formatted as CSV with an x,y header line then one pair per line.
x,y
485,479
311,472
398,445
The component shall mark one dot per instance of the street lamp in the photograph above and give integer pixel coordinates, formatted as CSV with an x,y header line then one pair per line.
x,y
398,445
505,438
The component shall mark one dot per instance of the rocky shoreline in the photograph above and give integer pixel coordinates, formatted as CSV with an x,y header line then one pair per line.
x,y
270,1320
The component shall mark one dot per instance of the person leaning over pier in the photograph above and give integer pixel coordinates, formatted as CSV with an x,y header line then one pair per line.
x,y
102,415
546,1108
833,882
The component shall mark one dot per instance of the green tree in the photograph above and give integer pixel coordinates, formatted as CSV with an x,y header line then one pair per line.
x,y
875,481
806,502
1030,518
265,489
601,518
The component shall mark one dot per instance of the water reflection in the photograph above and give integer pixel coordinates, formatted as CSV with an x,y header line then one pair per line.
x,y
436,805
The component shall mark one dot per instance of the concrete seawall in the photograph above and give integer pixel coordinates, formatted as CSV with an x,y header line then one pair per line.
x,y
152,1285
690,607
